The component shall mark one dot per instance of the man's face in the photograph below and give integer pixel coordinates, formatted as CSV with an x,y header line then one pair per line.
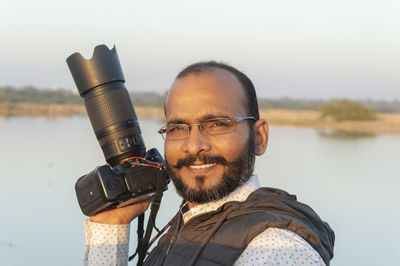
x,y
204,167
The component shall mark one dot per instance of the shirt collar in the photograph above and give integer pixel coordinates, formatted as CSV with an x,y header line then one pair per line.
x,y
239,194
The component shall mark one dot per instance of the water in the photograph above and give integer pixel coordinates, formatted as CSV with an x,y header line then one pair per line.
x,y
351,181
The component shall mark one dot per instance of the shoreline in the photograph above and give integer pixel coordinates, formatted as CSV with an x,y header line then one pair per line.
x,y
384,124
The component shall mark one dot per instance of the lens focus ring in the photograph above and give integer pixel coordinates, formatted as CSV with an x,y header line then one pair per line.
x,y
108,108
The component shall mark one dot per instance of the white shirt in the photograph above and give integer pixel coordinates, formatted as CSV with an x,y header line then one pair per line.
x,y
108,244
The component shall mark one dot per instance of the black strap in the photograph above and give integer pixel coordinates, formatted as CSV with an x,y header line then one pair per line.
x,y
161,178
159,234
140,232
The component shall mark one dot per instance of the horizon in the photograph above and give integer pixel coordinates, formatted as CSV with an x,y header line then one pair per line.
x,y
75,92
300,50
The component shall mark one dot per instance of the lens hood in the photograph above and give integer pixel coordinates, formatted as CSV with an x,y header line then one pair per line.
x,y
102,68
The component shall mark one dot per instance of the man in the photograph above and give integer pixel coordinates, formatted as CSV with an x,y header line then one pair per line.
x,y
212,134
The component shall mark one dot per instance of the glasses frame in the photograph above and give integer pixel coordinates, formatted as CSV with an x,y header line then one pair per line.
x,y
162,131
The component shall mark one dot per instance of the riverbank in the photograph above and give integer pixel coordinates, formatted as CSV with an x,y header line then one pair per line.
x,y
384,124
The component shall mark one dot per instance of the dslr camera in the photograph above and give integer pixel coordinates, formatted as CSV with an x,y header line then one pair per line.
x,y
130,171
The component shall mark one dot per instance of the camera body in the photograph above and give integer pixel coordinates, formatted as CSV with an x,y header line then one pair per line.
x,y
131,171
105,188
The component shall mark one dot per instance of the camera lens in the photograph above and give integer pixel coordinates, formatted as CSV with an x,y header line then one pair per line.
x,y
100,82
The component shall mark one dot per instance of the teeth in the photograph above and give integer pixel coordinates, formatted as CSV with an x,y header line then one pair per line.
x,y
202,166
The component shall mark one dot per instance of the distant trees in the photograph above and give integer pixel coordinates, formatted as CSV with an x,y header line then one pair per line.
x,y
289,103
30,94
33,95
342,110
148,99
314,104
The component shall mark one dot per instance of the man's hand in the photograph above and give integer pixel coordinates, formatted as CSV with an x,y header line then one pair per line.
x,y
123,215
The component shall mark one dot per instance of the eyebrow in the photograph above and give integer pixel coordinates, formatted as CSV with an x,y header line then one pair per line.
x,y
202,118
176,121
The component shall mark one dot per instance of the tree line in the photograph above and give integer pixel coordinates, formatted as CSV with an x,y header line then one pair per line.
x,y
46,96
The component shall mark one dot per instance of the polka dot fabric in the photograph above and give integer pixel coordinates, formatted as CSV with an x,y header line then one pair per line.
x,y
108,244
279,247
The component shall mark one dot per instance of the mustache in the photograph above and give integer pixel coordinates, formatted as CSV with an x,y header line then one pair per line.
x,y
206,159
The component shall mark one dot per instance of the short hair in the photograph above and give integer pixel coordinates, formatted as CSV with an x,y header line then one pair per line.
x,y
208,66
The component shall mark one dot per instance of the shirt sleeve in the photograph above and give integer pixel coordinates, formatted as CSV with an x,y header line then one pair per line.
x,y
281,247
106,244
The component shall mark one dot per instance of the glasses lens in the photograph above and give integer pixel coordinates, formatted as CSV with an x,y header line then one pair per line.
x,y
177,131
218,126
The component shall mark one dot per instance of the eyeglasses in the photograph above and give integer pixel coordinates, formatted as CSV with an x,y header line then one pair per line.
x,y
215,126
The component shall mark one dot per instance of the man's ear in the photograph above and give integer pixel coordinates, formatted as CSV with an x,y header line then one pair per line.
x,y
261,136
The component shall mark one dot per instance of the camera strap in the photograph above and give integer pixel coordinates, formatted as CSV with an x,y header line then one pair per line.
x,y
155,206
140,232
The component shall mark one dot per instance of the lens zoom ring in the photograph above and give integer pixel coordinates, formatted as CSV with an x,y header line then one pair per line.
x,y
109,108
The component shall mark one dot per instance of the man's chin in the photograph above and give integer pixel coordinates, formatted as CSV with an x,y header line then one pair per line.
x,y
216,184
201,190
203,183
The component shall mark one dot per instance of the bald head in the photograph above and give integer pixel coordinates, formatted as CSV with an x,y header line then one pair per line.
x,y
250,97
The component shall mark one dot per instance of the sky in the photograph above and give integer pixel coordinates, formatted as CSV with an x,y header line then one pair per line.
x,y
311,49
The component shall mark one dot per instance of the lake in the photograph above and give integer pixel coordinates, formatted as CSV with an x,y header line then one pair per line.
x,y
352,181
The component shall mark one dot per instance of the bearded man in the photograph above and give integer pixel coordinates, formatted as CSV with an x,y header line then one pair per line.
x,y
213,133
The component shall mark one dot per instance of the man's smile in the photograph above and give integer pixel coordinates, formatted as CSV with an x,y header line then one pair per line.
x,y
201,166
200,162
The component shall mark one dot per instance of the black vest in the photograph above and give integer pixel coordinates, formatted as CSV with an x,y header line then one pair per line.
x,y
219,237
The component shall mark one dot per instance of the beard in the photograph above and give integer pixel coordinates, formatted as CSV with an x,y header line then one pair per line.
x,y
236,173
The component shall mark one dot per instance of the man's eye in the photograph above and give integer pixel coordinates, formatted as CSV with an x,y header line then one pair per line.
x,y
174,129
218,124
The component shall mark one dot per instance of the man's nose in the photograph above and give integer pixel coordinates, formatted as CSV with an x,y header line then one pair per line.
x,y
196,142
